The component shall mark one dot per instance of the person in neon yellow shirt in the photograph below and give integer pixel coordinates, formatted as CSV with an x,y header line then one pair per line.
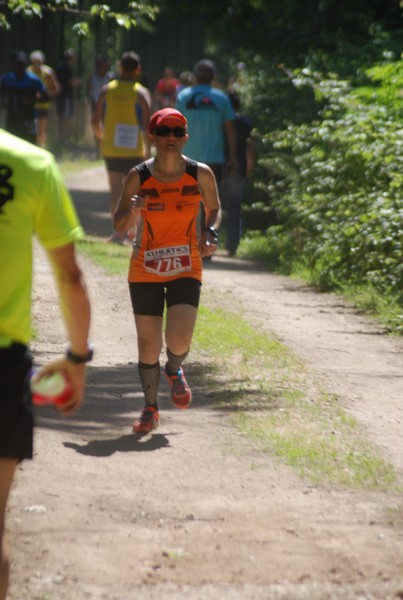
x,y
33,201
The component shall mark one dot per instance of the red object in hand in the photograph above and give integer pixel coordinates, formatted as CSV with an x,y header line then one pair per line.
x,y
51,389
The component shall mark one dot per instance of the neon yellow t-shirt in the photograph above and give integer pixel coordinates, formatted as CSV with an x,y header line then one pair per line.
x,y
122,133
33,200
44,75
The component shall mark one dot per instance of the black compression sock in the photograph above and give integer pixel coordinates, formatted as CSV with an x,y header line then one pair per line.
x,y
174,362
150,381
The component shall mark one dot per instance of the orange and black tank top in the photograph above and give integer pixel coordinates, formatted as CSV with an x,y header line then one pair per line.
x,y
166,244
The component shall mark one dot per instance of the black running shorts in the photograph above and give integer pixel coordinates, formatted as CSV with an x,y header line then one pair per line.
x,y
149,298
121,165
16,420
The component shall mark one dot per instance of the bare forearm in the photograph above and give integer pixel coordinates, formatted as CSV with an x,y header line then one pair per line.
x,y
211,202
213,218
97,129
75,309
76,313
74,301
130,204
123,219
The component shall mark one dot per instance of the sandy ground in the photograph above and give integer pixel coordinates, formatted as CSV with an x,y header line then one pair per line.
x,y
196,510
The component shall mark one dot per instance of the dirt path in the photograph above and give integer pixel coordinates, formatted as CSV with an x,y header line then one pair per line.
x,y
196,511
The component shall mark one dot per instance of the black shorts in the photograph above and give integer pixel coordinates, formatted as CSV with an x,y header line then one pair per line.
x,y
121,165
41,112
16,420
149,298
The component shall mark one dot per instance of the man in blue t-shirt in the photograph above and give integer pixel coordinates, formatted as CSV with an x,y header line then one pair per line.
x,y
210,118
20,89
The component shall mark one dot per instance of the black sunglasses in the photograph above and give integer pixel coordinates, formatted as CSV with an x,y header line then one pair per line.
x,y
164,131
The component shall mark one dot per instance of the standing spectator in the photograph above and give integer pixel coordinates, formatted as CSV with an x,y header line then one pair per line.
x,y
120,123
162,197
52,85
33,201
20,89
210,118
65,100
100,76
234,184
165,90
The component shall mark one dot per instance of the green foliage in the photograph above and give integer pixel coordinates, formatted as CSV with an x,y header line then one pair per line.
x,y
4,24
335,181
270,27
132,15
273,402
28,9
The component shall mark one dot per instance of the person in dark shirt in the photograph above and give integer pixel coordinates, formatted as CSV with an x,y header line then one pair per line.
x,y
20,90
235,182
65,100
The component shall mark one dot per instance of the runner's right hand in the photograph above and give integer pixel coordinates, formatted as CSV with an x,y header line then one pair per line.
x,y
138,202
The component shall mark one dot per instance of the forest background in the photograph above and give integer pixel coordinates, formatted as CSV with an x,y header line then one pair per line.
x,y
323,85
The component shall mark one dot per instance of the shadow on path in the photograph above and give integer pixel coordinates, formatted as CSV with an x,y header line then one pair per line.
x,y
93,212
125,443
114,397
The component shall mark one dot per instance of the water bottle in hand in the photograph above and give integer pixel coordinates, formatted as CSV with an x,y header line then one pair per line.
x,y
51,389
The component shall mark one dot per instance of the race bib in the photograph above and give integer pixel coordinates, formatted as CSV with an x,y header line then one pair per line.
x,y
126,136
167,261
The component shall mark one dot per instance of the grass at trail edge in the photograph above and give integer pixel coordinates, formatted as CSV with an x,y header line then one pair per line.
x,y
270,394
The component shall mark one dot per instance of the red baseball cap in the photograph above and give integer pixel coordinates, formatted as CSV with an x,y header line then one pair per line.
x,y
167,116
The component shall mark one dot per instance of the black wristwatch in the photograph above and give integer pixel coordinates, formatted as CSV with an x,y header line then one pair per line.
x,y
80,359
213,232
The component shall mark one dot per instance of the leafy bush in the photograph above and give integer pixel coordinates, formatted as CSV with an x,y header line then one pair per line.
x,y
336,183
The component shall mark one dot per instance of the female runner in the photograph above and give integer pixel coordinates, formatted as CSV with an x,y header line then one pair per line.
x,y
161,201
